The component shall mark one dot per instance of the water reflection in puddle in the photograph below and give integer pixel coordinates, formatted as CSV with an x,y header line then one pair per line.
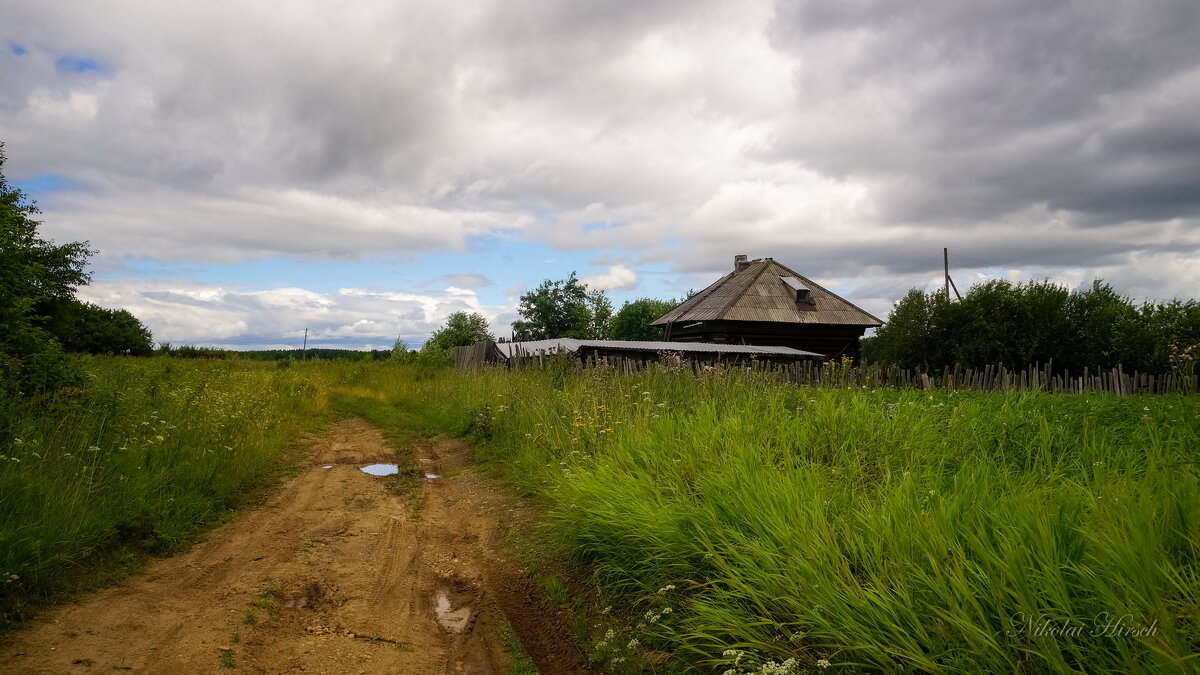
x,y
432,475
380,469
453,620
329,466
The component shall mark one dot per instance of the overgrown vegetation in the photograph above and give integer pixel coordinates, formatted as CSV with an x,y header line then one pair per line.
x,y
730,523
134,460
736,523
1015,325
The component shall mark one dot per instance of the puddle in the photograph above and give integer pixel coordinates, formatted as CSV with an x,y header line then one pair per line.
x,y
380,469
327,467
432,475
452,620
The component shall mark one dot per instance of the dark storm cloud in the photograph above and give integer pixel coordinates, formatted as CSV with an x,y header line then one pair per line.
x,y
987,108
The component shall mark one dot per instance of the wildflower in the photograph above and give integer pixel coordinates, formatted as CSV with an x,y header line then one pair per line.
x,y
823,663
633,643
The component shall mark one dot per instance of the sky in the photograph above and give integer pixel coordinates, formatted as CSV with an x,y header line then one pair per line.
x,y
362,169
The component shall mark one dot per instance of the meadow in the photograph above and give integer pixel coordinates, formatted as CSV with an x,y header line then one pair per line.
x,y
724,522
748,527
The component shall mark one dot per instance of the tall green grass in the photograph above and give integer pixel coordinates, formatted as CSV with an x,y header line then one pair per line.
x,y
894,531
134,461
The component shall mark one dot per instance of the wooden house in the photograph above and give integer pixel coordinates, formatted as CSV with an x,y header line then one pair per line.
x,y
761,302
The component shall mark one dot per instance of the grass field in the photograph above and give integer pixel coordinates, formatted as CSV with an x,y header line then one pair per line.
x,y
735,523
134,461
731,524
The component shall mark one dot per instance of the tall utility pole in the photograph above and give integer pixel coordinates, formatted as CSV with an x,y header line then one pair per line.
x,y
304,349
946,268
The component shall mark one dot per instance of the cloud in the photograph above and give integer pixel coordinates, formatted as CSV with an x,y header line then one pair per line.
x,y
850,140
466,280
212,314
617,277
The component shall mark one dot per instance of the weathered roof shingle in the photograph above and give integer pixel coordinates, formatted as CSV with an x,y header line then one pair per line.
x,y
759,292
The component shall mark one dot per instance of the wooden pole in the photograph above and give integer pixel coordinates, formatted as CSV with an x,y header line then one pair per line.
x,y
946,270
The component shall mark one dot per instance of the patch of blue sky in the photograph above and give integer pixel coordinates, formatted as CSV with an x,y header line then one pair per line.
x,y
69,64
507,266
44,183
18,50
600,225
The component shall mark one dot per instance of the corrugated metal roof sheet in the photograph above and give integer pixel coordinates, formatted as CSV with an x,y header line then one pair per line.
x,y
574,345
758,293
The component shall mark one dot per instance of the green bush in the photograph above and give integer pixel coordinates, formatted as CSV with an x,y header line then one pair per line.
x,y
1015,325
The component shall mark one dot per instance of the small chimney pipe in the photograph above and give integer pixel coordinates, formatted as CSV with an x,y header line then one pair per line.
x,y
740,263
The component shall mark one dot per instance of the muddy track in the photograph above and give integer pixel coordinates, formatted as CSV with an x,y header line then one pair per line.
x,y
333,574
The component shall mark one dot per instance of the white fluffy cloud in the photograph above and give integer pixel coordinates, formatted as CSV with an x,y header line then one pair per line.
x,y
617,277
210,314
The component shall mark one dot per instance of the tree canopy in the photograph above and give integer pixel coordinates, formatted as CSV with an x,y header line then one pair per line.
x,y
461,329
632,321
999,322
33,270
565,308
38,308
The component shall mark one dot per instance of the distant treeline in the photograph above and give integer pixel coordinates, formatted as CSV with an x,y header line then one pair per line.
x,y
1015,325
193,352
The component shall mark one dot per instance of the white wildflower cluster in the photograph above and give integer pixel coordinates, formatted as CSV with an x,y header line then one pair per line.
x,y
9,577
666,589
736,657
773,668
609,635
653,616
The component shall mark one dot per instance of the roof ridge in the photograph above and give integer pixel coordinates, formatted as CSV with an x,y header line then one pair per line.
x,y
734,300
827,291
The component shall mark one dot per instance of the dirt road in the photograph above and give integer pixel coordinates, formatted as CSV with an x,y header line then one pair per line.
x,y
333,574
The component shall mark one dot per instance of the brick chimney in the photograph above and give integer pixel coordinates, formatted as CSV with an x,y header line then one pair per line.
x,y
740,263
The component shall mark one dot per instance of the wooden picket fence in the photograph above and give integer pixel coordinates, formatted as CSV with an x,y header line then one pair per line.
x,y
817,374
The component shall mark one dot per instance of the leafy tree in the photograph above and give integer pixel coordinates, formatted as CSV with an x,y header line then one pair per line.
x,y
461,329
915,333
632,321
32,271
566,308
85,327
1014,325
600,315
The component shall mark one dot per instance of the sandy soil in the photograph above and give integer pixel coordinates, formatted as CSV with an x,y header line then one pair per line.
x,y
333,574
